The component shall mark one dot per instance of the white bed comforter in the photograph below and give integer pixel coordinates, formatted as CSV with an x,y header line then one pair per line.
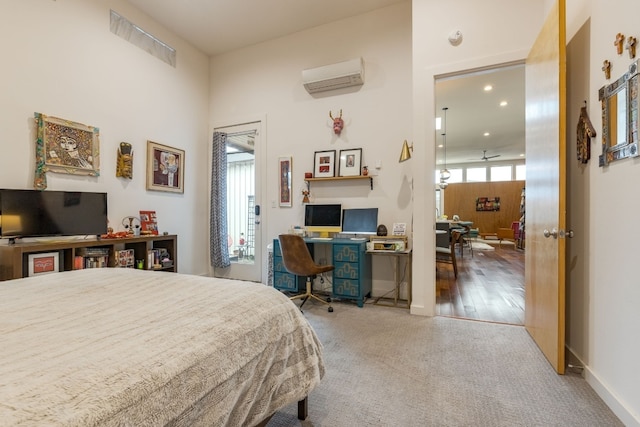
x,y
124,347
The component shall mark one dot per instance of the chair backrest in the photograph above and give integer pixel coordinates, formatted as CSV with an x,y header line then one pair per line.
x,y
296,256
505,234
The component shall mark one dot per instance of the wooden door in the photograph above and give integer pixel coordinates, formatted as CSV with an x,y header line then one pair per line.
x,y
546,188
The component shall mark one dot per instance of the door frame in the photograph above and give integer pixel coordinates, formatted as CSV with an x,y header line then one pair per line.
x,y
261,191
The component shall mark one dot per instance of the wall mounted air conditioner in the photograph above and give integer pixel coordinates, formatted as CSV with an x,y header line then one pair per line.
x,y
334,76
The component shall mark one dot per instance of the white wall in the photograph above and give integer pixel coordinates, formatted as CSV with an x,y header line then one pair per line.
x,y
603,289
61,59
266,80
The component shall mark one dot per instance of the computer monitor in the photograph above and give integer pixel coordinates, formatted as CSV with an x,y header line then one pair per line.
x,y
323,219
360,221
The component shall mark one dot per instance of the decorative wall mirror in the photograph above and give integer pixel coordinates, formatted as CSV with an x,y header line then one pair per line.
x,y
620,117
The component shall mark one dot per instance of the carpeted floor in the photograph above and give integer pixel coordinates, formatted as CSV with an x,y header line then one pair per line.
x,y
388,368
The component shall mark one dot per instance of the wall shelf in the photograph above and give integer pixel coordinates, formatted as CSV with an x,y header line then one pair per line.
x,y
340,178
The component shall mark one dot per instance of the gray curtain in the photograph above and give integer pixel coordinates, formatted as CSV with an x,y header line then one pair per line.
x,y
219,248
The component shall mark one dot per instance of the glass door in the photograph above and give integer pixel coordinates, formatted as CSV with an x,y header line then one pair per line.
x,y
243,203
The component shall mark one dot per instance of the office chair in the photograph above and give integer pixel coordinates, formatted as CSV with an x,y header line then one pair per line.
x,y
297,260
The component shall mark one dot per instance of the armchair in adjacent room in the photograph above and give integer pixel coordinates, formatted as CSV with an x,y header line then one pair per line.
x,y
297,260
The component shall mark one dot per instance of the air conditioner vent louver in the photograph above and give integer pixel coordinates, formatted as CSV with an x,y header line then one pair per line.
x,y
335,76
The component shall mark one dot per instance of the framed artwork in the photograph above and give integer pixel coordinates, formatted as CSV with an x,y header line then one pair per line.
x,y
165,168
324,164
284,166
64,146
43,263
350,162
488,204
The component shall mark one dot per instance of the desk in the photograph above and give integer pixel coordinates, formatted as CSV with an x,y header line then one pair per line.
x,y
351,277
397,255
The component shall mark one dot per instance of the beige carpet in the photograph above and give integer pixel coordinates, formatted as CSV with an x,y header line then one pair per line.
x,y
388,368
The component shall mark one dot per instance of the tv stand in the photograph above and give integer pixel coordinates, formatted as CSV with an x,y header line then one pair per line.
x,y
14,257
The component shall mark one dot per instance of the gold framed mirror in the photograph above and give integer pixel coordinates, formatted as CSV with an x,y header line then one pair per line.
x,y
619,102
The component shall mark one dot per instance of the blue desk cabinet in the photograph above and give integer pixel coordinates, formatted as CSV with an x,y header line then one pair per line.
x,y
351,277
282,279
352,273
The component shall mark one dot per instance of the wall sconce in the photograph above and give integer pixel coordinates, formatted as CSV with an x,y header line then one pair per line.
x,y
405,154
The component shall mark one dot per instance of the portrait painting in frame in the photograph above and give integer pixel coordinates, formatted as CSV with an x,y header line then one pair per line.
x,y
64,146
165,168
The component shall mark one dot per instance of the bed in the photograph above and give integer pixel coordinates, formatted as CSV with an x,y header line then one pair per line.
x,y
125,347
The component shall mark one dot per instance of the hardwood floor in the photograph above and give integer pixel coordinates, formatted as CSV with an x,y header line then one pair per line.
x,y
490,286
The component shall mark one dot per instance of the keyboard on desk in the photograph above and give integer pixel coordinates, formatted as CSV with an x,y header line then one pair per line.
x,y
322,238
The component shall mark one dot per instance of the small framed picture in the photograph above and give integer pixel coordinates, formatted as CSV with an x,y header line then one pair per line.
x,y
350,162
284,166
399,228
324,164
44,263
165,168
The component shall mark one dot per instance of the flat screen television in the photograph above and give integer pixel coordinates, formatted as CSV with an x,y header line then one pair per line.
x,y
33,213
323,219
360,221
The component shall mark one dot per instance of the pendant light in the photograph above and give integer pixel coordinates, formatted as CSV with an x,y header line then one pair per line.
x,y
444,173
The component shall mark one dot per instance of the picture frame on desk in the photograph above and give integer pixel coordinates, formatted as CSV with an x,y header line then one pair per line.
x,y
324,164
351,162
43,263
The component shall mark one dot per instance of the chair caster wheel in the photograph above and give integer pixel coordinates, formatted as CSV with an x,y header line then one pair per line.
x,y
330,309
328,299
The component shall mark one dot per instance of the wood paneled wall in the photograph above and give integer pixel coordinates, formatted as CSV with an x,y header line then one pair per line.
x,y
460,199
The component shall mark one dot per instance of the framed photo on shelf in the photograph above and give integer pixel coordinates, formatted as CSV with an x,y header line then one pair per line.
x,y
350,162
324,164
284,166
165,168
43,263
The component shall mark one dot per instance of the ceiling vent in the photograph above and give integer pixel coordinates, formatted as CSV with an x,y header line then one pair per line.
x,y
334,76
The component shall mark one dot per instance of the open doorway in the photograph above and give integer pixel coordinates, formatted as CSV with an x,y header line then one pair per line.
x,y
480,154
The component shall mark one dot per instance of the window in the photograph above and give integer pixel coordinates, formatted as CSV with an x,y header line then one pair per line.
x,y
456,176
521,174
476,174
500,173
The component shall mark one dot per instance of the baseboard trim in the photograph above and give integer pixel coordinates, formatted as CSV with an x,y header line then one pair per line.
x,y
609,398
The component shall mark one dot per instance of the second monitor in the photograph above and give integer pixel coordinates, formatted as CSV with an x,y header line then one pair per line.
x,y
360,221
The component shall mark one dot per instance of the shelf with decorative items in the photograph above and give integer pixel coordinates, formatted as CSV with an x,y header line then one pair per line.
x,y
339,178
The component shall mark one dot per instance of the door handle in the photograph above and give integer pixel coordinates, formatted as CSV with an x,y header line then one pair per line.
x,y
566,234
553,232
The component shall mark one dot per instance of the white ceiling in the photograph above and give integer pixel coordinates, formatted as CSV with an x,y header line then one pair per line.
x,y
218,26
472,111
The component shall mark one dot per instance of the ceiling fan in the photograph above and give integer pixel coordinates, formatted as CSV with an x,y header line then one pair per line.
x,y
485,157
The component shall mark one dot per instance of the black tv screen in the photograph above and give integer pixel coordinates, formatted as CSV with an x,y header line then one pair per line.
x,y
33,213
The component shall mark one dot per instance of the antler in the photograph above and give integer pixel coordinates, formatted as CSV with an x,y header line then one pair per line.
x,y
331,115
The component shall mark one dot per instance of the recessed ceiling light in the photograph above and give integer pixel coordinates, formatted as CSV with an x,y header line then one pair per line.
x,y
440,145
503,103
486,134
522,155
487,88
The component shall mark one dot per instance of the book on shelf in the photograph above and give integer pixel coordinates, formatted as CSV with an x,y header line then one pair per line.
x,y
148,223
125,258
92,251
